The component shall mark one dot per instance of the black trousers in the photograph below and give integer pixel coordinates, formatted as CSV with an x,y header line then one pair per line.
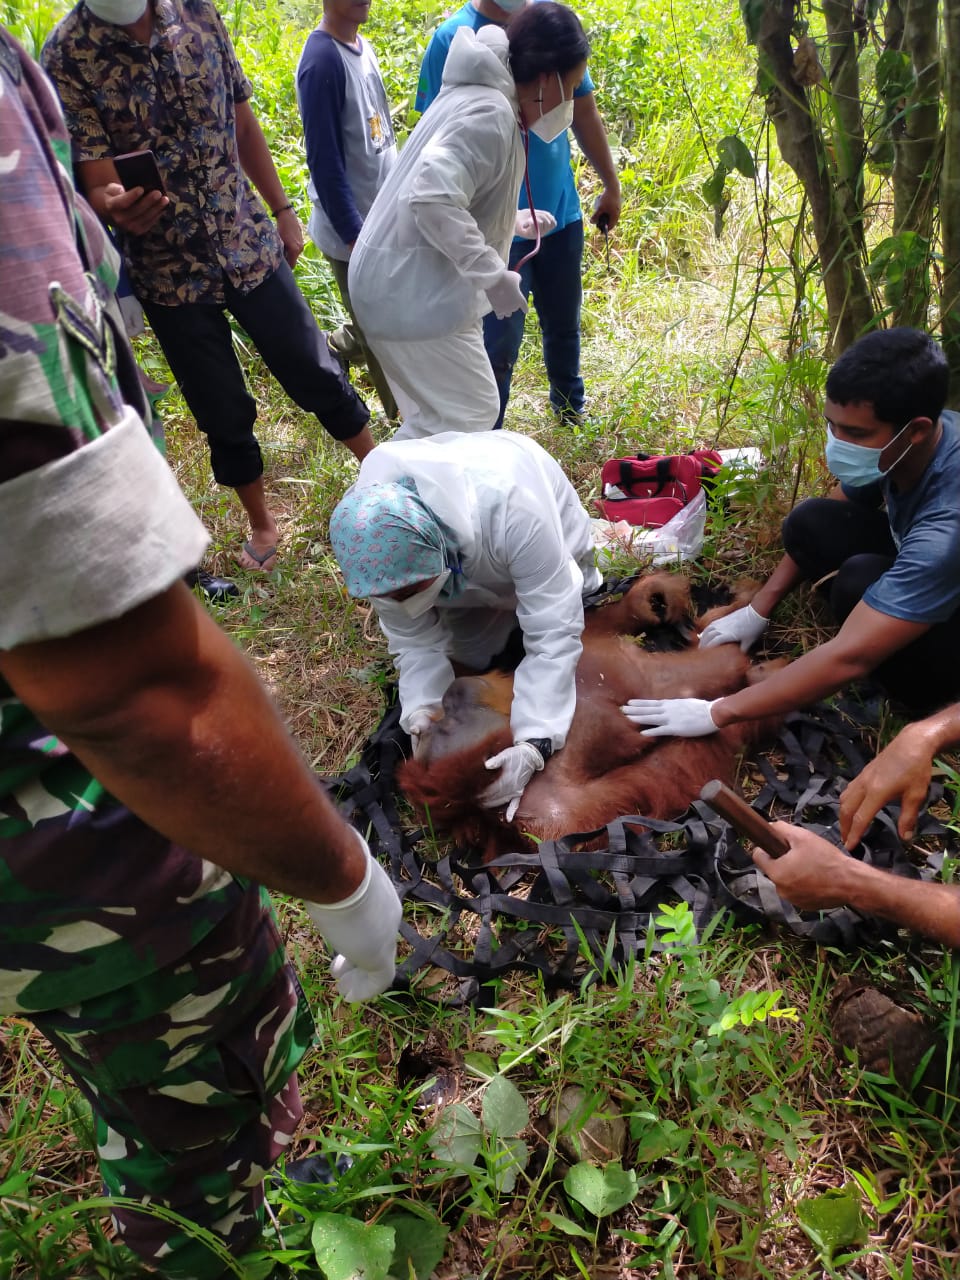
x,y
198,344
824,536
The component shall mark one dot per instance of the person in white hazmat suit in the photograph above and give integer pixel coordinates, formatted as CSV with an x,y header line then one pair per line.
x,y
430,259
456,540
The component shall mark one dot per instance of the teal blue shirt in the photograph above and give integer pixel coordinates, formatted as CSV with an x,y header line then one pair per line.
x,y
548,163
923,583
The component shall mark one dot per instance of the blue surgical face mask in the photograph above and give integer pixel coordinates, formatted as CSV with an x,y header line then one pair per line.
x,y
856,464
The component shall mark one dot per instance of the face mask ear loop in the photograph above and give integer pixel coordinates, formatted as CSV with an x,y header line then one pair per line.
x,y
526,186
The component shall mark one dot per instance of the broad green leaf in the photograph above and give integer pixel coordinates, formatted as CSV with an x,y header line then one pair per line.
x,y
504,1111
601,1191
347,1249
264,1268
894,258
506,1162
418,1243
660,1139
895,75
567,1225
834,1220
735,154
456,1139
712,189
480,1064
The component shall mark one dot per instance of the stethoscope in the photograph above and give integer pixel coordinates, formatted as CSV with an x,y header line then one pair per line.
x,y
525,134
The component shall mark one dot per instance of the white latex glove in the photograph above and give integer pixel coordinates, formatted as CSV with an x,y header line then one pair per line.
x,y
526,223
505,295
361,931
672,717
420,720
517,766
743,627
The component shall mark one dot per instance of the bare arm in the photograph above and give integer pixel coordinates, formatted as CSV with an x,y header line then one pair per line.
x,y
171,718
814,875
901,771
257,163
591,136
780,583
864,640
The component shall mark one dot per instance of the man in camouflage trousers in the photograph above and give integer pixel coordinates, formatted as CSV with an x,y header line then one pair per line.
x,y
147,784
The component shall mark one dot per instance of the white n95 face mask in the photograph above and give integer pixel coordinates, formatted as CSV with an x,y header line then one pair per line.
x,y
557,120
416,605
120,12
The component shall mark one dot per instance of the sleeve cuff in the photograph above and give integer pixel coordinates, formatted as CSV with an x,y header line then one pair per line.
x,y
91,536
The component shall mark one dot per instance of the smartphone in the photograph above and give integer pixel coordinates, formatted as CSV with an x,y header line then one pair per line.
x,y
139,169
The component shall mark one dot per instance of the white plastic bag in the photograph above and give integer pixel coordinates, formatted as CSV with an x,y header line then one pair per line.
x,y
679,539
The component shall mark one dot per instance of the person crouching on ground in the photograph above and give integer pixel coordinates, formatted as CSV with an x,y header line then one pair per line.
x,y
458,540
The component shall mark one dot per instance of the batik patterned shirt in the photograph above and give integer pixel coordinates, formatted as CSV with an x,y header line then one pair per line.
x,y
176,96
92,524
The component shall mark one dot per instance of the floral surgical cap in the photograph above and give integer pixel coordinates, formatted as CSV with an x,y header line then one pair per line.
x,y
385,538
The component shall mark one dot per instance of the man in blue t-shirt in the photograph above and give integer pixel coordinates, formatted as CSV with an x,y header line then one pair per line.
x,y
350,150
885,546
553,275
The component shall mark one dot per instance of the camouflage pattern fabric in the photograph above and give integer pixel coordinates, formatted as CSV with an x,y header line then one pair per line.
x,y
90,898
158,977
58,369
176,96
190,1076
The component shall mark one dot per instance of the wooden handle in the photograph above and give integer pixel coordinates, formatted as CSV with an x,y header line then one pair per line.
x,y
746,820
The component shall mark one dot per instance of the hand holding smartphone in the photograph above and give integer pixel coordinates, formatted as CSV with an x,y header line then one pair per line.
x,y
139,169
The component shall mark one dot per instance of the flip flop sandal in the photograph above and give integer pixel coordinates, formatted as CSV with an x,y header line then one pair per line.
x,y
255,555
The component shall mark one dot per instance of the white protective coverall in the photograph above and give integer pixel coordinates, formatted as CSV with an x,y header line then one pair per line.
x,y
527,556
437,236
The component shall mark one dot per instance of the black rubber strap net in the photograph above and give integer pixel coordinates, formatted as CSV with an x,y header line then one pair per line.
x,y
535,911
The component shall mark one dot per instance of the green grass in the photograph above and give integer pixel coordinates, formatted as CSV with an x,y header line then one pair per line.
x,y
737,1111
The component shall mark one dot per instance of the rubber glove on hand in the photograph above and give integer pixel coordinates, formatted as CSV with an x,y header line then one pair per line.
x,y
361,931
526,223
517,766
743,627
672,717
505,295
420,720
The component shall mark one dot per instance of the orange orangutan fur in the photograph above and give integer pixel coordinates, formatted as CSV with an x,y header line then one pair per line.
x,y
607,768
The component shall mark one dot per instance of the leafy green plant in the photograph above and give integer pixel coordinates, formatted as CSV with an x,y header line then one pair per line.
x,y
460,1138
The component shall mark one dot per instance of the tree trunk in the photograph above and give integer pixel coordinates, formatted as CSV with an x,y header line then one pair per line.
x,y
849,305
950,201
893,24
917,153
847,120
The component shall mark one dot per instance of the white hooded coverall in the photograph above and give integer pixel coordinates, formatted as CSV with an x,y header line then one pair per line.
x,y
527,556
437,236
